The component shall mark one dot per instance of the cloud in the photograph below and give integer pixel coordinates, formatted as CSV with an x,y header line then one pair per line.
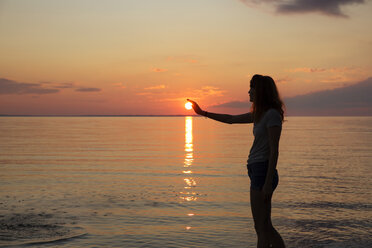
x,y
144,93
171,99
86,89
158,69
209,91
284,80
12,87
152,91
325,7
156,87
65,86
344,69
351,100
345,74
308,69
156,94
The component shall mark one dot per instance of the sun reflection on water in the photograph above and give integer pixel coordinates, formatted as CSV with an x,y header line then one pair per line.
x,y
188,194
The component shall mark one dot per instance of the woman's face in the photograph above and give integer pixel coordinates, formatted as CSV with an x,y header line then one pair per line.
x,y
251,93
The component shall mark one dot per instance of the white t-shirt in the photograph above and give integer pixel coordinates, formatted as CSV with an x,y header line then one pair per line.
x,y
260,150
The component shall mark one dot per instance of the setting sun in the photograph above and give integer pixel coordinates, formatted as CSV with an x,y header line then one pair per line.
x,y
188,105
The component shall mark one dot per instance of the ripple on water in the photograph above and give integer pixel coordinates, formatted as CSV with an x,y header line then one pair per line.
x,y
33,228
326,232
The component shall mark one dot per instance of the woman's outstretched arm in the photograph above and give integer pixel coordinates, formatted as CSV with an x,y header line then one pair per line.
x,y
225,118
230,119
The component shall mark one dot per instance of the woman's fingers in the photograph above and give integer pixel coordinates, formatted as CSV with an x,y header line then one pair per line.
x,y
195,106
193,102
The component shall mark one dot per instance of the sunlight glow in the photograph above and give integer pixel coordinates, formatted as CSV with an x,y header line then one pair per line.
x,y
188,105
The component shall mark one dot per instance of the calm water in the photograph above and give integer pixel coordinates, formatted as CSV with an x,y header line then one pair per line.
x,y
179,182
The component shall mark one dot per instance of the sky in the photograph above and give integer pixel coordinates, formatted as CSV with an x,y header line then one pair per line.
x,y
146,57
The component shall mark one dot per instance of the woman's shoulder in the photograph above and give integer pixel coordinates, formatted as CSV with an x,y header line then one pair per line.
x,y
273,117
272,112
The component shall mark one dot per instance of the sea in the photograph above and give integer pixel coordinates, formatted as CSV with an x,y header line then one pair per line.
x,y
131,181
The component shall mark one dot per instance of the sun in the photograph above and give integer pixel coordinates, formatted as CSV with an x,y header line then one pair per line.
x,y
188,105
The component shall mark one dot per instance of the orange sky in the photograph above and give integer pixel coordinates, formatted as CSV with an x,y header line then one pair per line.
x,y
147,57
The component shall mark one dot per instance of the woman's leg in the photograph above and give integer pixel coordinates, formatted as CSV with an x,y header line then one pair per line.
x,y
260,217
261,211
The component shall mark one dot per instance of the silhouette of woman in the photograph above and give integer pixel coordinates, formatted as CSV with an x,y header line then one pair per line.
x,y
267,115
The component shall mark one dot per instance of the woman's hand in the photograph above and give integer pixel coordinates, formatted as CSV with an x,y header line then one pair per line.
x,y
196,108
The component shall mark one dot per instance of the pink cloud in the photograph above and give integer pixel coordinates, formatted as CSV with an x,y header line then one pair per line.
x,y
156,87
209,91
335,74
283,80
154,69
308,69
344,69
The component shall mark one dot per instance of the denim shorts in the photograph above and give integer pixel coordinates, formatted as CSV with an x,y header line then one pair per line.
x,y
257,173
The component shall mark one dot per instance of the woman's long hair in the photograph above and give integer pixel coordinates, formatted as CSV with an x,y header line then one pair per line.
x,y
266,97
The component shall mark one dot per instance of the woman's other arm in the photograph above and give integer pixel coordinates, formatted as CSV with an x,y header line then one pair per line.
x,y
225,118
274,136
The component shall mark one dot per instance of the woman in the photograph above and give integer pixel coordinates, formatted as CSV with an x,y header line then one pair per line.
x,y
267,115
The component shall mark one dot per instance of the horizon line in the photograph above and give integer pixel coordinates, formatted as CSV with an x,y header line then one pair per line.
x,y
179,115
82,115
